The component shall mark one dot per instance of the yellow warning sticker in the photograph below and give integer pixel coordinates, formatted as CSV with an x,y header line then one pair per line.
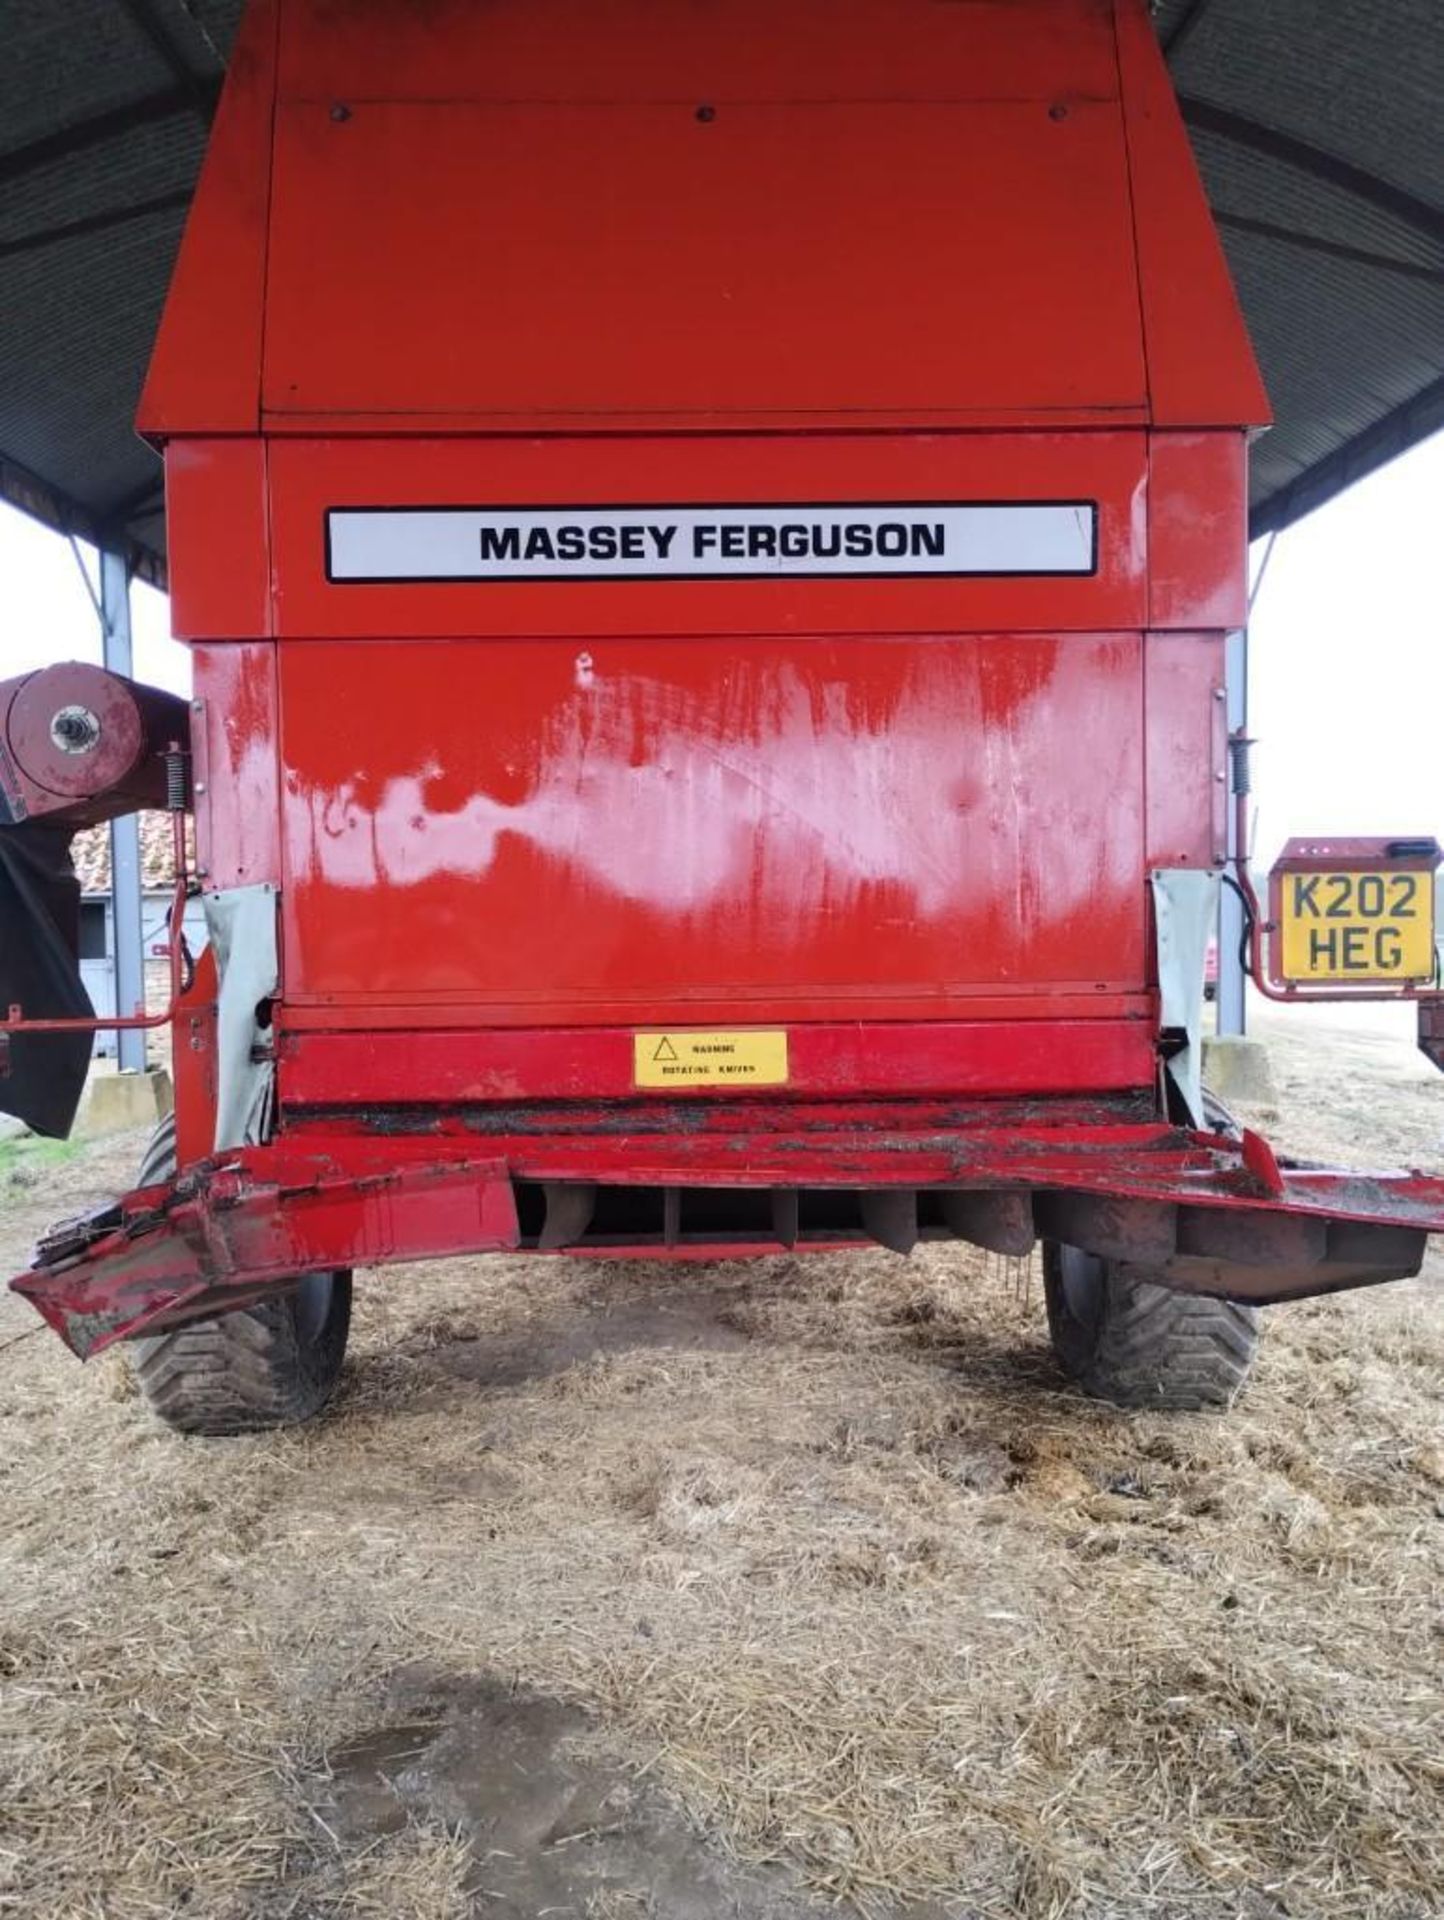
x,y
686,1057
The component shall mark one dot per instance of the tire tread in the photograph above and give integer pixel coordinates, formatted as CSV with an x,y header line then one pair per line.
x,y
244,1371
1154,1346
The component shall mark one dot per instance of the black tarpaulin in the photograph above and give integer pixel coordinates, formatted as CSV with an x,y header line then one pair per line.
x,y
40,970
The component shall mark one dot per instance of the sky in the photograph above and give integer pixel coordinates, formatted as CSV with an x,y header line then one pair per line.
x,y
1346,651
1346,662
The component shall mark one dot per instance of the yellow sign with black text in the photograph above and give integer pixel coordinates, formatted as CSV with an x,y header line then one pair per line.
x,y
688,1057
1356,927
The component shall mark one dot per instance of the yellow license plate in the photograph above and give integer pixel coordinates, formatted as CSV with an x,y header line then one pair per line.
x,y
687,1057
1357,927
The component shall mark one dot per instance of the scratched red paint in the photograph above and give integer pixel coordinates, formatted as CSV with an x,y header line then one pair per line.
x,y
732,819
502,807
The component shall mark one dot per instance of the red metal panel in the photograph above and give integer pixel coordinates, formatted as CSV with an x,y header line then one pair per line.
x,y
858,206
205,372
1197,530
812,51
217,539
1201,368
991,1057
234,736
1019,1002
542,826
854,261
309,478
1186,736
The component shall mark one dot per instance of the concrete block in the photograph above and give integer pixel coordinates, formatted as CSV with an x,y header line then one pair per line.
x,y
123,1102
1237,1070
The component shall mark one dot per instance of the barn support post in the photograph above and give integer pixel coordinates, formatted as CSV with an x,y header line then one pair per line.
x,y
125,891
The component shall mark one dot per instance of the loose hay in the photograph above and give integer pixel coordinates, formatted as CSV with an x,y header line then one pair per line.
x,y
826,1549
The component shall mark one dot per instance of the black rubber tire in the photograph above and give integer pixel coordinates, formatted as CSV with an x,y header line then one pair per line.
x,y
269,1365
157,1163
1125,1339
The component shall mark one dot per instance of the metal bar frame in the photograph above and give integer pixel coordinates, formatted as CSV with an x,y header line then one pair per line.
x,y
1231,1002
126,907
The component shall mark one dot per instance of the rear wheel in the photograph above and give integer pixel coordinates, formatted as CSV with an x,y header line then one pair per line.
x,y
1126,1339
268,1365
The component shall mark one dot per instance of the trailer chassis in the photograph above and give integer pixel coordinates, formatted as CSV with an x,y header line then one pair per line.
x,y
1215,1213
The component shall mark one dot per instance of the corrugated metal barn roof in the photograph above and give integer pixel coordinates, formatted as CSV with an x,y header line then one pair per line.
x,y
1317,129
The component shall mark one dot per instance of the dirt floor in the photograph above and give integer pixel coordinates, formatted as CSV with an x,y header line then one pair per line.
x,y
737,1590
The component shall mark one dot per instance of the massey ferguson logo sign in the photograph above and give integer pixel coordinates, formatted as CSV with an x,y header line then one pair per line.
x,y
791,541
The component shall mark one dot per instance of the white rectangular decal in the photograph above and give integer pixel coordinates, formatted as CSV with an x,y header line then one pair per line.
x,y
897,538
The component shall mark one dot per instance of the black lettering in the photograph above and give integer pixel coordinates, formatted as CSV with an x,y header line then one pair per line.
x,y
1356,959
539,545
1342,888
1406,892
663,538
793,543
931,541
1306,896
1388,950
826,541
762,543
857,542
704,541
734,542
500,543
634,543
571,543
1369,893
602,543
892,540
1323,951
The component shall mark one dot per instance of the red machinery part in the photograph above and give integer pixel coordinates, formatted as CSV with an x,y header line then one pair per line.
x,y
79,745
790,602
1203,1212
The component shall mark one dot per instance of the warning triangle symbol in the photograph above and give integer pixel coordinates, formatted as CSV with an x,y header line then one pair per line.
x,y
665,1050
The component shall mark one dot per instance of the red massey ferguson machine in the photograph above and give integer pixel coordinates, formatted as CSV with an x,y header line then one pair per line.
x,y
706,536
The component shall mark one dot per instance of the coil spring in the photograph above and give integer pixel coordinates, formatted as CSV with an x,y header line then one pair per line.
x,y
1238,750
177,784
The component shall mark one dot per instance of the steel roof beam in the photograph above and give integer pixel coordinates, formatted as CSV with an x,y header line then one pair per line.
x,y
1405,427
143,13
1322,165
1335,249
21,488
95,223
84,134
130,503
1187,21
